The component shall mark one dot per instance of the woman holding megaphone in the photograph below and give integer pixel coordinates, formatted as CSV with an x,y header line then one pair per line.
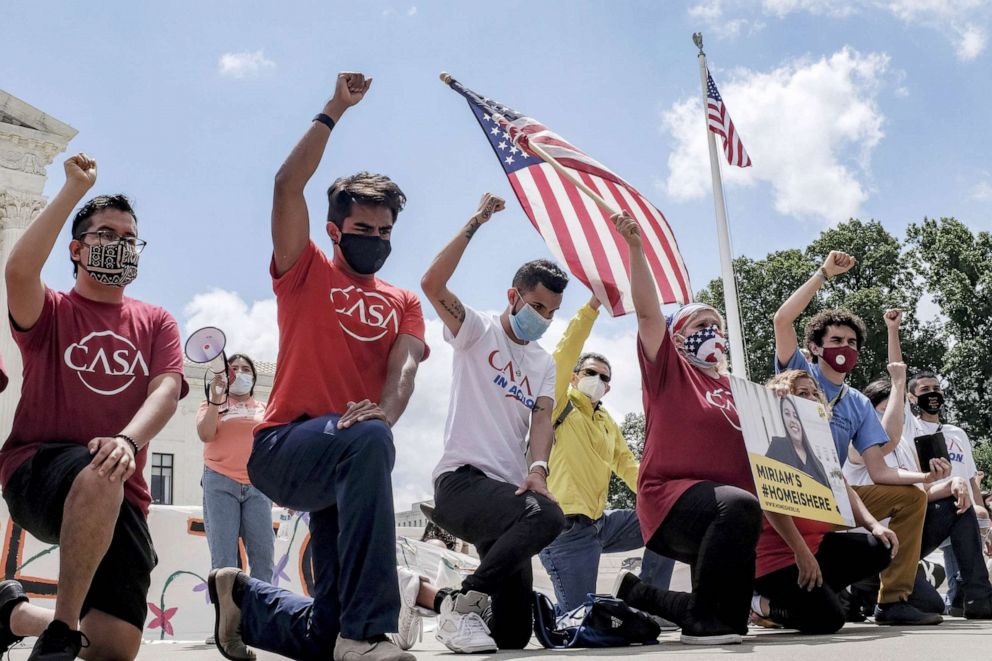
x,y
231,505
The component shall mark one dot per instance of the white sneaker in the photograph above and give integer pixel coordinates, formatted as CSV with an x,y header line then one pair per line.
x,y
411,626
460,626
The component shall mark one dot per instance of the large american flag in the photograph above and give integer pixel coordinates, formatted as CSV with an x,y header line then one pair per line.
x,y
576,230
718,119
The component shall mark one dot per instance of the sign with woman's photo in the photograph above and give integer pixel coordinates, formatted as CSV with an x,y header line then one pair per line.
x,y
793,458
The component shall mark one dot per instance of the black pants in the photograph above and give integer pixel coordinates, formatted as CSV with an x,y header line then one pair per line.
x,y
844,558
714,529
36,495
507,531
943,521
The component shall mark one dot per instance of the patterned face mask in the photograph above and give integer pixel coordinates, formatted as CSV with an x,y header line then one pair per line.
x,y
115,264
706,347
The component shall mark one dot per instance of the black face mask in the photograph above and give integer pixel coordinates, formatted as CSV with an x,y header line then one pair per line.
x,y
364,254
930,402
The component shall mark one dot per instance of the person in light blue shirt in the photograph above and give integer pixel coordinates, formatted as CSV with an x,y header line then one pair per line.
x,y
833,339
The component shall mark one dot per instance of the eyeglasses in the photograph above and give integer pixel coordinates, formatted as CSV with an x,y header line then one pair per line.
x,y
108,237
591,372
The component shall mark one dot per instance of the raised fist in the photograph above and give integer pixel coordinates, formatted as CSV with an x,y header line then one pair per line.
x,y
488,205
351,88
838,262
80,170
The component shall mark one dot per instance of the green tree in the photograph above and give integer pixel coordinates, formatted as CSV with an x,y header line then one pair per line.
x,y
883,278
619,496
956,267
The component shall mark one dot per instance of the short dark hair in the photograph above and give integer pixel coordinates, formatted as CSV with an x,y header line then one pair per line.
x,y
251,364
922,374
81,221
816,327
589,355
878,391
540,272
363,188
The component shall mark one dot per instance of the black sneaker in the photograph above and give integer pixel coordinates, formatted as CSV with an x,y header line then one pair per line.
x,y
903,613
978,609
58,643
11,594
708,633
624,583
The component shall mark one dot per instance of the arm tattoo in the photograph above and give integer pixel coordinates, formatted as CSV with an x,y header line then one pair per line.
x,y
454,308
537,408
473,227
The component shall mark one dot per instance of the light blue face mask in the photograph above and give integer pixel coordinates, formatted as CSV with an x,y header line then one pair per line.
x,y
527,324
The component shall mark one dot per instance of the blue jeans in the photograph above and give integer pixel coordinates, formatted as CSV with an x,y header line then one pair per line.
x,y
232,510
572,560
342,477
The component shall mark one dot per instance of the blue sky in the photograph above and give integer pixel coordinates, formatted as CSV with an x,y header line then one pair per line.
x,y
870,107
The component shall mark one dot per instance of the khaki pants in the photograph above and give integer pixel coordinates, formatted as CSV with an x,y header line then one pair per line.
x,y
906,509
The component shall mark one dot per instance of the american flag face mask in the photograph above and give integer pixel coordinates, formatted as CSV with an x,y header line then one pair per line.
x,y
706,347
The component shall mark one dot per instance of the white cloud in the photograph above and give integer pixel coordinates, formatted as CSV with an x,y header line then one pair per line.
x,y
249,329
244,64
961,22
982,191
419,435
710,13
412,11
809,126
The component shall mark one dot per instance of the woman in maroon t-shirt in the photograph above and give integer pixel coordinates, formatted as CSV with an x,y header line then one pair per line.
x,y
695,498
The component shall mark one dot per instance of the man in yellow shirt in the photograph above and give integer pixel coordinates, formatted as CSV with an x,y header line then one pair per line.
x,y
588,449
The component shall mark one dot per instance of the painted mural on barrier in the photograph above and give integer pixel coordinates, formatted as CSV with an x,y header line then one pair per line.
x,y
178,604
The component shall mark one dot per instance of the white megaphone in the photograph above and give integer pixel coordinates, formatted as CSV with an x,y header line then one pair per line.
x,y
206,347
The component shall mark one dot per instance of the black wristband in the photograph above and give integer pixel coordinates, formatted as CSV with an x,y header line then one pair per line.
x,y
325,120
130,440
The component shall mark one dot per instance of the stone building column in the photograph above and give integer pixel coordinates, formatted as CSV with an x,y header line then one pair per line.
x,y
29,141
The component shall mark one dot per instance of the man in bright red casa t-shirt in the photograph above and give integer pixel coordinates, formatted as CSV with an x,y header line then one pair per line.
x,y
349,347
102,376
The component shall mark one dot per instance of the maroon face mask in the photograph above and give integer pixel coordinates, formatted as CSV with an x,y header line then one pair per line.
x,y
842,359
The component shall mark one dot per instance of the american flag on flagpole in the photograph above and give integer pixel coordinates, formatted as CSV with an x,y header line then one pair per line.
x,y
577,231
718,119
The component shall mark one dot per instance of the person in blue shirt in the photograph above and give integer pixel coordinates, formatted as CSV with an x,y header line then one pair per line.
x,y
833,339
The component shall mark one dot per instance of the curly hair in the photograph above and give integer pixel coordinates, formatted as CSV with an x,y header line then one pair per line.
x,y
364,188
817,327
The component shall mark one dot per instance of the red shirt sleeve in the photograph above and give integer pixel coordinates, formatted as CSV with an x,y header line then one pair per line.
x,y
413,322
167,353
294,278
37,336
656,374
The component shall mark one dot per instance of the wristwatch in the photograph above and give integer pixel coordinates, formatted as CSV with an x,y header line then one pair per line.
x,y
540,464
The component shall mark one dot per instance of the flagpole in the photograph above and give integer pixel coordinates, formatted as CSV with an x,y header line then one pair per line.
x,y
550,160
735,332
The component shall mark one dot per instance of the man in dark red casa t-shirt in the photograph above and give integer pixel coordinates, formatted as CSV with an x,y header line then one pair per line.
x,y
349,347
102,376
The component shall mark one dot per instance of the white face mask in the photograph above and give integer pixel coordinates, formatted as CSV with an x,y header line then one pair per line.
x,y
242,384
593,387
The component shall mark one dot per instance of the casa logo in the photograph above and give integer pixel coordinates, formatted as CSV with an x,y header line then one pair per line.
x,y
365,315
105,362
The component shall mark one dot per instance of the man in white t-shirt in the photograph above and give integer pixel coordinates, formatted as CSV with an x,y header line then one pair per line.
x,y
926,394
949,512
490,487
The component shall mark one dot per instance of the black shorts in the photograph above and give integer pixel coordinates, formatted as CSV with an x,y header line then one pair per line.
x,y
36,495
